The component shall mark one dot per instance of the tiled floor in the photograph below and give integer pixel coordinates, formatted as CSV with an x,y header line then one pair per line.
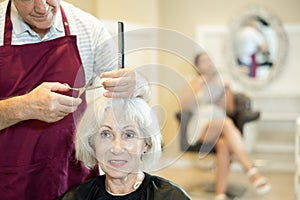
x,y
195,178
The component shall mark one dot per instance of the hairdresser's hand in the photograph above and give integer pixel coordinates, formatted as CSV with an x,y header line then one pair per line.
x,y
120,83
45,104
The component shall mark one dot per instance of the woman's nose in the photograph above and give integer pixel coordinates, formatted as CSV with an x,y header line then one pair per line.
x,y
117,146
40,6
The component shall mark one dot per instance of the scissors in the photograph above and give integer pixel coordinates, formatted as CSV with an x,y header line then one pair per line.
x,y
87,86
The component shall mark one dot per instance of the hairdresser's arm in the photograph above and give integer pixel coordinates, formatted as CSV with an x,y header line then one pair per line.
x,y
42,103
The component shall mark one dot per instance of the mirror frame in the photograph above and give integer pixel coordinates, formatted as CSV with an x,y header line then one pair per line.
x,y
281,39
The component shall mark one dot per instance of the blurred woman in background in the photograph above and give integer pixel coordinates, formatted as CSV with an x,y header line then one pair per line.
x,y
210,101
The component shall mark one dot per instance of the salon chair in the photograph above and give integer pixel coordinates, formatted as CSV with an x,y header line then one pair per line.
x,y
243,114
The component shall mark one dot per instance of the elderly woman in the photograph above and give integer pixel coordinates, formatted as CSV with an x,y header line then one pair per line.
x,y
122,136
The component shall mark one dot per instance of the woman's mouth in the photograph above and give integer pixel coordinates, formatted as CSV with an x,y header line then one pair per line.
x,y
40,17
117,163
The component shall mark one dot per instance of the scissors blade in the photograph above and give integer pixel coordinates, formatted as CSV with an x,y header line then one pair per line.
x,y
90,82
93,87
87,85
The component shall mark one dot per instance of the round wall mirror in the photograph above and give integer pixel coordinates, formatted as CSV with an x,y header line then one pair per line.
x,y
258,47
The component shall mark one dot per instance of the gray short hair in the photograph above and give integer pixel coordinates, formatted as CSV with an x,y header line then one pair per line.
x,y
135,109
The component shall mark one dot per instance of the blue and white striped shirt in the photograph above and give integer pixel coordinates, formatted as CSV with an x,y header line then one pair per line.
x,y
96,47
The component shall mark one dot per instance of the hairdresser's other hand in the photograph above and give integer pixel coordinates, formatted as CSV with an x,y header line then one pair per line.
x,y
120,83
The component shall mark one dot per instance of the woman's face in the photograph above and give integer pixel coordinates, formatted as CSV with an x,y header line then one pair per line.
x,y
119,145
205,65
38,14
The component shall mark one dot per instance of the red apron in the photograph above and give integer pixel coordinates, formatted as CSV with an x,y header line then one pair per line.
x,y
37,159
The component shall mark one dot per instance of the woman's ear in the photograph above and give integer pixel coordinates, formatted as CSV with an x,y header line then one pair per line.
x,y
147,146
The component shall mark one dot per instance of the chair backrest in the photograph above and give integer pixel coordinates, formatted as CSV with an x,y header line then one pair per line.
x,y
183,119
243,111
242,102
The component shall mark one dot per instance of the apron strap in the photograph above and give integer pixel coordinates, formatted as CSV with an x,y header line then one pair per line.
x,y
7,27
7,36
65,22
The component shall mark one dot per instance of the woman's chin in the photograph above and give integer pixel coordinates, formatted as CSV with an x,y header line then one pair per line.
x,y
116,172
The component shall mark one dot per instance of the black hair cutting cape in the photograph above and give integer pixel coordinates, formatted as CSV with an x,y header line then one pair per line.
x,y
152,187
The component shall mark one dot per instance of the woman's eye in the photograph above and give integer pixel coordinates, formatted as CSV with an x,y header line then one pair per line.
x,y
129,134
105,134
